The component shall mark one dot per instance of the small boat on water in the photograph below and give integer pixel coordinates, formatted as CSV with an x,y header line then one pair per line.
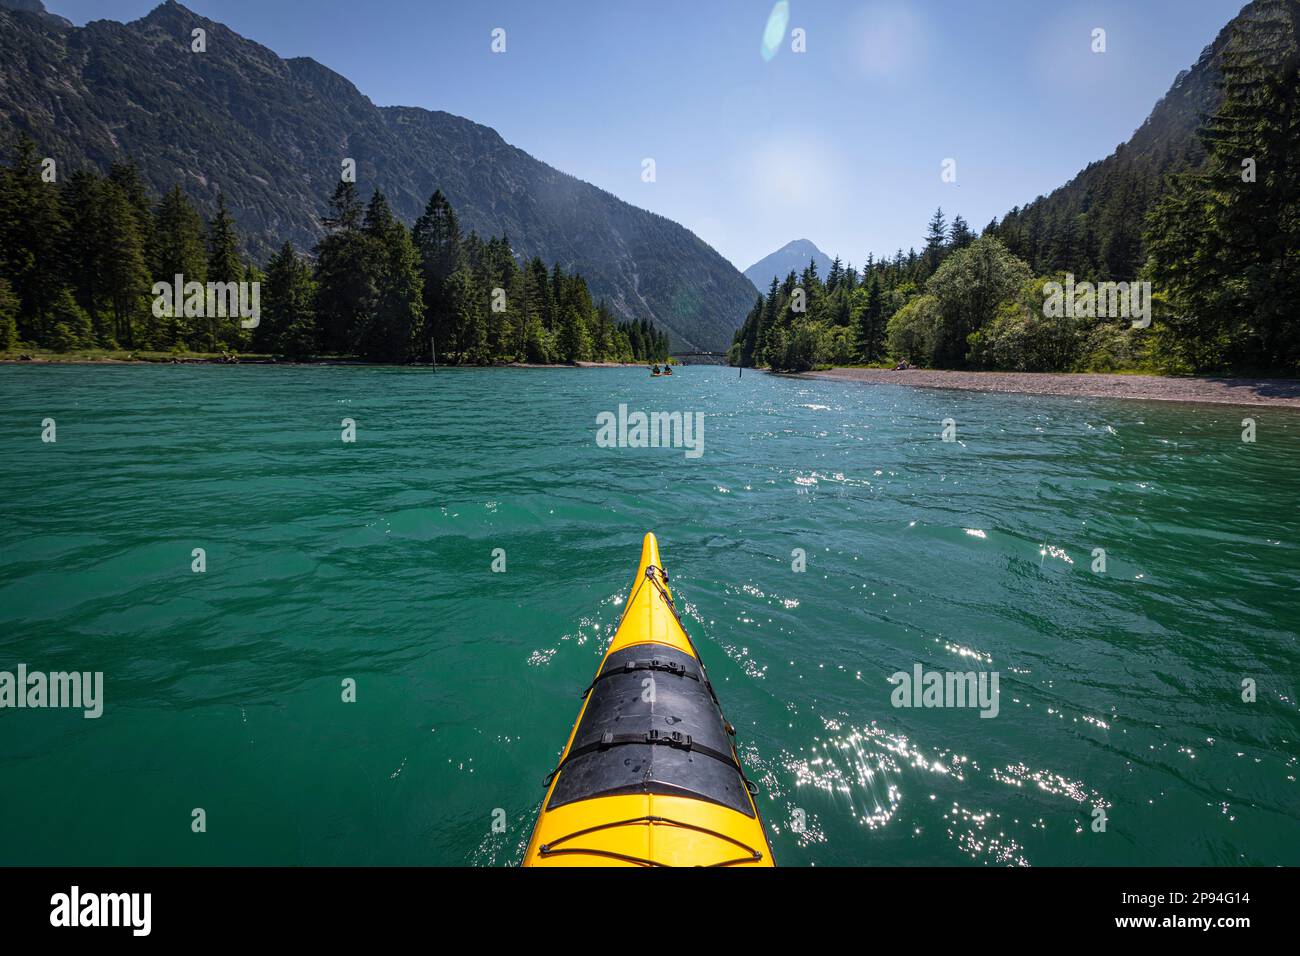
x,y
650,775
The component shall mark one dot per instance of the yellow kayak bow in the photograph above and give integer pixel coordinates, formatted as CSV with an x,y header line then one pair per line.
x,y
650,775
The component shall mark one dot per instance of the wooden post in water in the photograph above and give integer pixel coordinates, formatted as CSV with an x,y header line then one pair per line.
x,y
433,351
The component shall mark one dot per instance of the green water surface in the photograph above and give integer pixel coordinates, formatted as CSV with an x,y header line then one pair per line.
x,y
1120,691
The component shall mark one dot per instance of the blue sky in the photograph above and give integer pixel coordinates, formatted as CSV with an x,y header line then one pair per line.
x,y
841,144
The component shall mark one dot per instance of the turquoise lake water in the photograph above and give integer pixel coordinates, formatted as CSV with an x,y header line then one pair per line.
x,y
1119,691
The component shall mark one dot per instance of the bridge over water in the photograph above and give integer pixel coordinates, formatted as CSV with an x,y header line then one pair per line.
x,y
700,358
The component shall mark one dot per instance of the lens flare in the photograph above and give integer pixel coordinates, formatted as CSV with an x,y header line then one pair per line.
x,y
774,32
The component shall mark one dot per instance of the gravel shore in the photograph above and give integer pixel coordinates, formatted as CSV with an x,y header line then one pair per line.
x,y
1283,392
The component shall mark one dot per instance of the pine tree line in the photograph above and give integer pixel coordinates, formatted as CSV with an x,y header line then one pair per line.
x,y
1096,233
78,262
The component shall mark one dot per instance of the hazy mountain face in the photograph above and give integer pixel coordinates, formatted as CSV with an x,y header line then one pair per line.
x,y
793,255
272,134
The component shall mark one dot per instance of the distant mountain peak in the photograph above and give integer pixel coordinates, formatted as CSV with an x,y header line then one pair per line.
x,y
170,9
793,255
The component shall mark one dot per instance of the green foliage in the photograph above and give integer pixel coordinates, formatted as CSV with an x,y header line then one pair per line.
x,y
1021,338
32,229
913,330
1111,347
8,316
177,244
68,325
936,239
840,346
961,235
390,332
645,342
968,289
859,319
345,274
869,307
797,347
124,268
83,251
288,325
224,265
846,319
438,242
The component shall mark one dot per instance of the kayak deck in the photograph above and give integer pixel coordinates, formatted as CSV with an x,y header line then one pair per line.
x,y
649,775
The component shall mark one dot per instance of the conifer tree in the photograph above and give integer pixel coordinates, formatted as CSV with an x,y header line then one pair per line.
x,y
224,266
127,177
32,231
390,333
960,236
871,324
288,325
835,275
8,316
462,328
84,250
177,248
438,244
345,274
936,236
124,264
178,243
533,345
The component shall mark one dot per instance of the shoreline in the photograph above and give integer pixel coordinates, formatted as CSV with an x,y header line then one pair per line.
x,y
1274,392
267,360
1245,392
